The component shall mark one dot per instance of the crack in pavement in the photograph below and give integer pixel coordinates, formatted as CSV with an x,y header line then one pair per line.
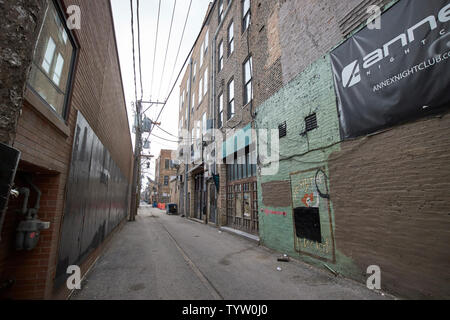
x,y
207,283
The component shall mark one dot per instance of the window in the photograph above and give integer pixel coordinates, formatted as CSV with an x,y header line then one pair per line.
x,y
220,125
187,110
220,10
201,54
204,129
245,14
181,103
231,110
206,40
200,91
205,82
248,88
166,163
50,73
194,71
166,180
220,56
230,39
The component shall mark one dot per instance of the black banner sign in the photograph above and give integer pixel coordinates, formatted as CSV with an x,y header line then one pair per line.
x,y
397,73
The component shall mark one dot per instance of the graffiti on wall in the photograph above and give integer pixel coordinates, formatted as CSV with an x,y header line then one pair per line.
x,y
313,228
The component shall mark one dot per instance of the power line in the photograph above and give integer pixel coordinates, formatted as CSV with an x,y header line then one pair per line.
x,y
154,135
178,77
159,127
139,49
167,48
156,43
134,53
181,41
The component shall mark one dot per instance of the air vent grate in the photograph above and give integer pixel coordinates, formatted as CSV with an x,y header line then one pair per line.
x,y
311,122
282,129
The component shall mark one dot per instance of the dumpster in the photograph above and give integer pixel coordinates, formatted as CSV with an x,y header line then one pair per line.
x,y
172,209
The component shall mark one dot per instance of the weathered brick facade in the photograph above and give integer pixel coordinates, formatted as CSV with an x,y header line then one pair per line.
x,y
46,142
164,172
194,115
389,199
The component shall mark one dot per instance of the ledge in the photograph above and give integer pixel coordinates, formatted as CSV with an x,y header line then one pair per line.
x,y
241,233
44,111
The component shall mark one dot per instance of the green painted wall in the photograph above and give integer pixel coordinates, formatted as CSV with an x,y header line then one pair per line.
x,y
300,157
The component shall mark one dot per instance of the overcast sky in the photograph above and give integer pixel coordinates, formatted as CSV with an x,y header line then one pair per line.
x,y
148,17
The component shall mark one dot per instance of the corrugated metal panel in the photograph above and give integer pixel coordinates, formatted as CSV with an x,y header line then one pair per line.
x,y
96,200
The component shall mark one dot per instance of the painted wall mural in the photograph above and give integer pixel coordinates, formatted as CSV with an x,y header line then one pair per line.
x,y
312,219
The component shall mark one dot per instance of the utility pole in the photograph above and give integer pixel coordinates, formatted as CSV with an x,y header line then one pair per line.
x,y
137,163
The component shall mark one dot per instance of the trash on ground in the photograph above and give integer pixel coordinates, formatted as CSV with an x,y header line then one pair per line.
x,y
284,258
279,269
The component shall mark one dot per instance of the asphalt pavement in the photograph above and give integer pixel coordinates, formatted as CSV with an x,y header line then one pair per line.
x,y
162,257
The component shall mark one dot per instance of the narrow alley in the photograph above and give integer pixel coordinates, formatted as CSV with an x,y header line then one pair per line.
x,y
162,257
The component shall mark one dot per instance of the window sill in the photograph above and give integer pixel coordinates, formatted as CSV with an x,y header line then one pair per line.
x,y
45,112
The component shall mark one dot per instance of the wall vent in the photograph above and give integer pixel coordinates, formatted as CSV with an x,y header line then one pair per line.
x,y
311,122
282,130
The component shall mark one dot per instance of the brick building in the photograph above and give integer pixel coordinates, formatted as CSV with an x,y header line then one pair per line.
x,y
378,199
235,68
197,196
75,145
164,171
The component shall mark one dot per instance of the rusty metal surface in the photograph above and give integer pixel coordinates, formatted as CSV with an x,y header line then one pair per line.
x,y
96,200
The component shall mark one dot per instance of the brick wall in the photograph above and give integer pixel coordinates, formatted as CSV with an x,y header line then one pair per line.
x,y
162,172
392,206
46,146
389,192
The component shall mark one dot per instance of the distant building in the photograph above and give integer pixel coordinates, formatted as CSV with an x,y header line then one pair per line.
x,y
164,170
